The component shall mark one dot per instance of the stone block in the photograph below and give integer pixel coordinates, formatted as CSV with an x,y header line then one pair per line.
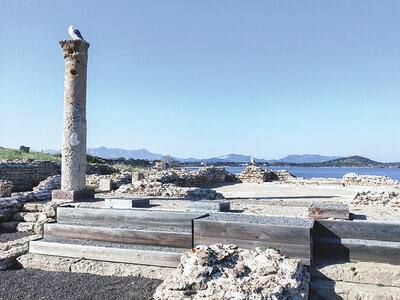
x,y
325,211
209,206
136,176
70,196
105,185
126,203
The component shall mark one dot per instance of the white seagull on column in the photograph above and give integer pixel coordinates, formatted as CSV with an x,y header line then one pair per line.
x,y
75,34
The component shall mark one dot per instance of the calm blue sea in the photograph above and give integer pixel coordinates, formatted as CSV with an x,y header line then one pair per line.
x,y
326,172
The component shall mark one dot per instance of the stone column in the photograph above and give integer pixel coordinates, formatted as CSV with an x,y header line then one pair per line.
x,y
73,168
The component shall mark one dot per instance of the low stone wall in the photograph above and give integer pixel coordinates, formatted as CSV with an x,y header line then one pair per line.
x,y
385,198
18,211
26,175
5,188
184,178
369,180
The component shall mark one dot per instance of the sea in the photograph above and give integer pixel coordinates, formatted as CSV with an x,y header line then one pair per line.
x,y
393,173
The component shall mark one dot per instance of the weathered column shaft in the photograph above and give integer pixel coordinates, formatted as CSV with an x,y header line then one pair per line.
x,y
73,168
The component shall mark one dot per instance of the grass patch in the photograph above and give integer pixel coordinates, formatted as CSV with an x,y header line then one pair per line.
x,y
13,154
123,167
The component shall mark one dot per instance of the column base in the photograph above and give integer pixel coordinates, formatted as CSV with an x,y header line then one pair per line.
x,y
71,196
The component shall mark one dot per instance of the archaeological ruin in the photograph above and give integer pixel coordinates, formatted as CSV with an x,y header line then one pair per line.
x,y
258,234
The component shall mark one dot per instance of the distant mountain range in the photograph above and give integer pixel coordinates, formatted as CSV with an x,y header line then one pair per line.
x,y
235,158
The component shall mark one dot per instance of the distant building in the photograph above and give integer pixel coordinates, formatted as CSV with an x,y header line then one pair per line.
x,y
24,149
161,166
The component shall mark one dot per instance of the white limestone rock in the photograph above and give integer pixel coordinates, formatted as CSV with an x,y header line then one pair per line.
x,y
227,272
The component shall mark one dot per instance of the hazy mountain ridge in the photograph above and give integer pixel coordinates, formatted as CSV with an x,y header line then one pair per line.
x,y
305,160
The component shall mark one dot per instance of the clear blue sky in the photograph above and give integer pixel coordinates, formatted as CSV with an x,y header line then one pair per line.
x,y
205,78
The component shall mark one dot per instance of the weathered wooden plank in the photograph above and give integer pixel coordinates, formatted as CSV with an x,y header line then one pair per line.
x,y
118,235
161,219
153,258
254,232
357,252
325,211
358,230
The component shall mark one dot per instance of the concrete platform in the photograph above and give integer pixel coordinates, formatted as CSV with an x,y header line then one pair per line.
x,y
126,203
209,206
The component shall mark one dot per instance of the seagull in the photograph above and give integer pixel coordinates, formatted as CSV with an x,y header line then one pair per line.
x,y
75,34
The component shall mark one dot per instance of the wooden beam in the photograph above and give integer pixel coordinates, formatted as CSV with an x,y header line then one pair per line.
x,y
118,235
358,230
152,258
150,218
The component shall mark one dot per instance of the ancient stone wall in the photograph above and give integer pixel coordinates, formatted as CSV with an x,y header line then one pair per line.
x,y
369,180
184,178
26,175
254,174
100,169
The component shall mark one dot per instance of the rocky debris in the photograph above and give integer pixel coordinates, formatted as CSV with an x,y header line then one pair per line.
x,y
385,198
42,192
9,251
5,188
184,178
101,169
369,180
227,272
281,175
117,179
13,211
177,183
152,188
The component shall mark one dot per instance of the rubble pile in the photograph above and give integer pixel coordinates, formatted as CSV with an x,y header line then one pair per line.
x,y
281,175
153,188
386,198
177,183
184,178
117,179
227,272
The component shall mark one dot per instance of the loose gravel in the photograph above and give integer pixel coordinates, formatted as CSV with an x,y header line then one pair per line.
x,y
243,218
115,245
11,236
37,284
135,227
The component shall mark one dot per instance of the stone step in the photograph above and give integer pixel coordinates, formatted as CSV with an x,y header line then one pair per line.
x,y
33,206
122,253
120,234
25,226
27,216
129,217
